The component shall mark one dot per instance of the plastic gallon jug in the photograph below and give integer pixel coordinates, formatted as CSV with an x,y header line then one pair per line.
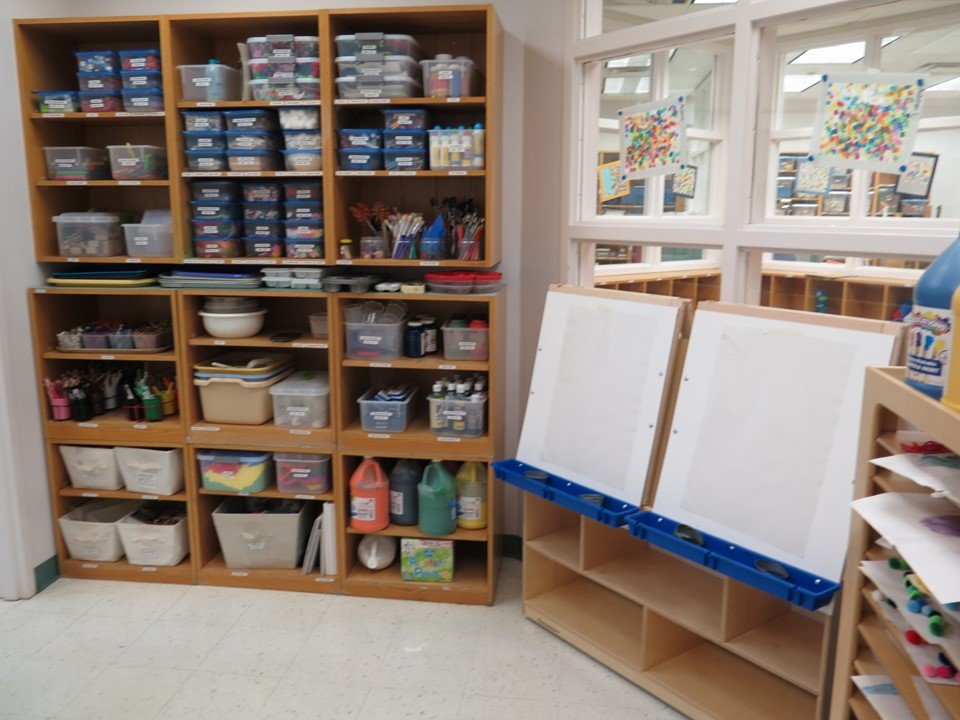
x,y
403,492
931,323
437,493
472,496
369,497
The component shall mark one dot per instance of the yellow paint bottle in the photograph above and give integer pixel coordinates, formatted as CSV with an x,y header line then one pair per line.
x,y
472,496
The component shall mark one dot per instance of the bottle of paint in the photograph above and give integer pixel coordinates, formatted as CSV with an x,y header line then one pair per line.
x,y
369,497
472,496
403,492
437,493
929,338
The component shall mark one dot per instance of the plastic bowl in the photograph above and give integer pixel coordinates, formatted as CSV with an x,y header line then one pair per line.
x,y
233,325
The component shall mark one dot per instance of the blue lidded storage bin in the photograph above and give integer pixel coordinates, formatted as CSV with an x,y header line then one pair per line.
x,y
252,140
140,79
58,101
263,228
251,119
304,229
404,139
304,248
263,247
202,140
142,100
361,159
206,160
222,190
262,211
405,159
203,120
404,119
303,210
104,61
360,138
145,59
215,229
215,210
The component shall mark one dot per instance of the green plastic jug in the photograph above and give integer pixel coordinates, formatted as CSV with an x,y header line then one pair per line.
x,y
437,492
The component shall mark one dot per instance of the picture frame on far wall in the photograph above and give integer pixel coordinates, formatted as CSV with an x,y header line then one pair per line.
x,y
918,178
836,204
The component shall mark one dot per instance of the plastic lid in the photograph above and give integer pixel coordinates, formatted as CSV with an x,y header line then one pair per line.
x,y
55,92
142,91
156,217
204,152
138,52
96,74
404,132
303,382
89,217
99,93
242,112
308,151
250,456
234,133
131,73
251,152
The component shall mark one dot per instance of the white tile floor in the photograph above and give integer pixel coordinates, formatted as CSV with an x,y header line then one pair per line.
x,y
89,650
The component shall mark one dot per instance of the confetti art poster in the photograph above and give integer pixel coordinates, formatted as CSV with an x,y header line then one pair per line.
x,y
685,181
611,182
916,180
653,138
867,121
813,178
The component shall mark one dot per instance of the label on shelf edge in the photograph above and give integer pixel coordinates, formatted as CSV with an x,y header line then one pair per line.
x,y
140,426
133,260
401,173
205,103
429,263
76,182
446,367
90,494
243,494
324,579
108,357
149,497
205,428
219,342
96,114
444,438
381,365
148,568
244,173
311,346
301,432
305,497
453,100
90,566
198,173
129,182
308,261
344,262
239,573
379,436
457,172
73,259
297,173
354,173
294,103
254,261
205,261
52,115
88,424
40,291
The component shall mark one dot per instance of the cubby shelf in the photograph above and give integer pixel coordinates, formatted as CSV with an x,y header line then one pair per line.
x,y
271,492
425,363
410,173
119,494
412,531
430,101
106,118
103,183
121,570
111,355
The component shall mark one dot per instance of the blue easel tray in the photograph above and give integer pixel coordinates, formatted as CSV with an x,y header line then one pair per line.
x,y
764,573
578,498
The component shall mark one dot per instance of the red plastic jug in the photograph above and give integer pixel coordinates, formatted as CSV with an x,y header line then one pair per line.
x,y
369,497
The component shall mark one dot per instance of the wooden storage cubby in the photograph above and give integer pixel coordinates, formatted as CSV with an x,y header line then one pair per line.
x,y
789,292
863,300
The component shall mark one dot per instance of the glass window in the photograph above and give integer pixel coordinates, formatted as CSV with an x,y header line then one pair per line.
x,y
619,14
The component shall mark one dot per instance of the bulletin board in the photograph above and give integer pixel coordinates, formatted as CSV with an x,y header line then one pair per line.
x,y
604,361
762,447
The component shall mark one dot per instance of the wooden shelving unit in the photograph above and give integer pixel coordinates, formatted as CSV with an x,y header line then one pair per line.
x,y
708,645
44,49
866,640
850,295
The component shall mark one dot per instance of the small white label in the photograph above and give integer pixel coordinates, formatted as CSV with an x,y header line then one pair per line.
x,y
311,346
381,365
344,262
206,103
301,432
148,568
396,502
219,342
205,428
204,261
76,182
90,566
149,497
257,545
238,573
324,579
305,497
447,367
88,424
130,182
453,100
108,357
133,260
363,508
395,173
457,172
140,426
470,508
90,494
73,259
351,173
443,438
429,263
379,436
53,115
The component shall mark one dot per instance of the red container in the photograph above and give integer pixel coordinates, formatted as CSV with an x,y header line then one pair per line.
x,y
369,497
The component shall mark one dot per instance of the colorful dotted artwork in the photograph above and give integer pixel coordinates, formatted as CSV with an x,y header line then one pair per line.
x,y
867,121
611,181
918,177
685,181
813,178
653,138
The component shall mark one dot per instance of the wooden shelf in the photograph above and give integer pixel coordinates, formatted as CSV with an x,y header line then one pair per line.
x,y
115,425
107,118
103,183
271,492
412,531
889,443
265,436
196,175
263,340
416,440
181,574
216,572
430,101
190,104
562,546
125,259
861,708
410,173
428,362
389,262
74,492
789,646
469,583
867,664
428,296
117,355
251,261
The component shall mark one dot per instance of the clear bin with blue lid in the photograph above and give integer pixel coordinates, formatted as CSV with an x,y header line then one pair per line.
x,y
271,247
302,192
97,61
304,248
203,120
385,415
57,101
377,43
302,139
361,159
359,87
210,82
350,65
142,100
304,229
262,192
262,211
204,140
407,159
142,78
97,101
303,210
252,119
223,190
303,160
144,59
404,139
215,229
252,140
210,248
360,138
235,470
253,160
405,119
215,209
99,81
263,228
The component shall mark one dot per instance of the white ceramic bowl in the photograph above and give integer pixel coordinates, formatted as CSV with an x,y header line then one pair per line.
x,y
233,325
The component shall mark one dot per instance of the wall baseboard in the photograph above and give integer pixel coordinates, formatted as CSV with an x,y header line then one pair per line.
x,y
46,573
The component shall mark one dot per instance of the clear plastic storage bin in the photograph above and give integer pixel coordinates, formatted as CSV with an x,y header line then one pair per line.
x,y
377,43
219,190
253,160
91,467
218,249
98,101
358,87
304,248
251,539
302,473
142,100
361,159
90,530
302,140
151,472
99,81
466,343
263,228
215,229
404,139
154,545
448,77
262,192
152,236
138,162
57,101
387,416
299,118
348,65
211,81
140,59
206,160
452,148
303,229
459,418
202,120
403,119
215,209
302,191
363,138
370,341
303,210
89,233
285,89
303,160
97,61
263,247
407,159
235,470
204,140
302,400
262,211
252,140
75,162
133,79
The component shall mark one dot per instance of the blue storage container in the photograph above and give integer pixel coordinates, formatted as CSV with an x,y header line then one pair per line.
x,y
304,248
252,140
404,139
263,247
215,229
252,119
203,120
304,229
262,211
202,140
106,61
360,138
361,159
403,119
304,210
146,59
206,160
215,210
223,190
142,100
141,79
263,228
405,159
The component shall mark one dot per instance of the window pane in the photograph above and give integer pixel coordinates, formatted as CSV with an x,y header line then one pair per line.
x,y
791,200
619,14
672,254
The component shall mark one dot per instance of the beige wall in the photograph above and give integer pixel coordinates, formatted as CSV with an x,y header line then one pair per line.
x,y
533,47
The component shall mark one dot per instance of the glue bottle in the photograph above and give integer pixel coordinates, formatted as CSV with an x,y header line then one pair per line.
x,y
930,333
